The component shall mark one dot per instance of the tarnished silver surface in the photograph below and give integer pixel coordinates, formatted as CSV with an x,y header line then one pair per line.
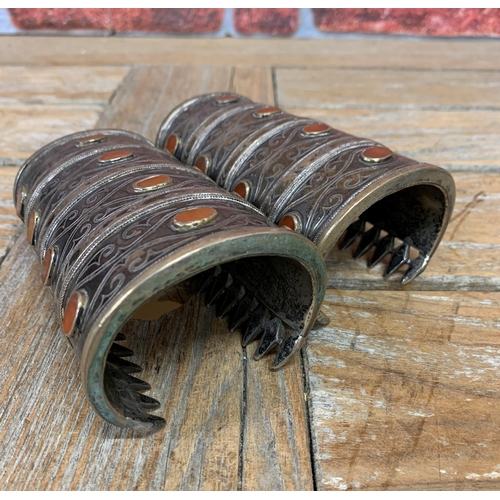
x,y
122,229
319,181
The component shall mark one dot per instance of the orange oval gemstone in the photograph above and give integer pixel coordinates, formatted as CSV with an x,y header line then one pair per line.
x,y
72,311
202,163
172,144
32,226
377,154
195,217
116,155
290,221
47,265
242,189
226,99
152,182
92,139
268,111
315,129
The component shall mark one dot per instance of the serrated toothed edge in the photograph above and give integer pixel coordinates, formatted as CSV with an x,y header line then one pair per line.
x,y
127,388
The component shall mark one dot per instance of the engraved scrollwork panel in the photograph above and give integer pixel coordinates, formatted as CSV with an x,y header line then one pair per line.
x,y
59,203
112,195
123,256
187,123
277,162
50,162
52,154
86,229
320,196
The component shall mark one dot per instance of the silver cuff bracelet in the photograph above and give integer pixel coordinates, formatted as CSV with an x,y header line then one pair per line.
x,y
124,230
318,181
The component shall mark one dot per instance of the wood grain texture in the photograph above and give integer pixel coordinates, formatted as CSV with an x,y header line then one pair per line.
x,y
453,139
38,84
28,127
256,83
368,52
10,224
468,258
40,104
275,451
386,88
404,391
148,94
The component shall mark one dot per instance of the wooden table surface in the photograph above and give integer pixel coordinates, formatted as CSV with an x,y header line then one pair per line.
x,y
400,391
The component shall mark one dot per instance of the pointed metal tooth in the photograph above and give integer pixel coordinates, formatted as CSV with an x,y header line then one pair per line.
x,y
242,311
399,257
129,401
119,337
207,277
123,364
220,284
384,246
233,294
137,384
219,302
274,335
255,325
132,408
353,232
289,347
157,422
204,282
416,267
148,403
367,241
120,350
321,320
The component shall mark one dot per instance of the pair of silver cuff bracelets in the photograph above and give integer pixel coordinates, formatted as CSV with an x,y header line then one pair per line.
x,y
239,201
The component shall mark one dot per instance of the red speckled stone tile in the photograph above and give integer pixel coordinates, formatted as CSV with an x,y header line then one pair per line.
x,y
277,22
436,22
61,19
168,20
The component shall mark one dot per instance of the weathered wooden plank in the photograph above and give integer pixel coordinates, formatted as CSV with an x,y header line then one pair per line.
x,y
372,52
256,83
454,139
150,93
9,222
468,258
28,127
404,391
39,84
183,83
275,454
387,88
